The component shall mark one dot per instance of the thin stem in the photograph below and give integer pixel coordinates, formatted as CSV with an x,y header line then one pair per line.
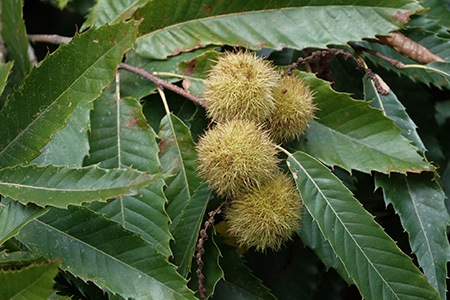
x,y
175,75
164,100
49,38
163,84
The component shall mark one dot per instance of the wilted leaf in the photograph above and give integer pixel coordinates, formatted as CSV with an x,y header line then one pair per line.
x,y
436,73
285,24
75,73
96,249
420,203
31,282
372,259
62,186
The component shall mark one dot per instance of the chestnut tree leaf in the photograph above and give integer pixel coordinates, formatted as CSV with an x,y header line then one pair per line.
x,y
420,203
16,215
110,12
350,134
4,73
293,24
120,137
62,186
93,248
379,269
178,160
395,110
76,72
31,282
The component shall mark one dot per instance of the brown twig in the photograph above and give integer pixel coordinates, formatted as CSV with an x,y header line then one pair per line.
x,y
347,55
322,54
49,38
203,236
396,63
163,84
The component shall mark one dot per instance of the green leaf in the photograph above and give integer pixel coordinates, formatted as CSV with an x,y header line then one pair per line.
x,y
142,213
312,237
62,186
32,282
438,10
239,23
17,257
99,250
14,216
394,109
60,151
372,259
186,228
75,73
15,37
420,203
178,160
4,73
352,135
105,11
121,138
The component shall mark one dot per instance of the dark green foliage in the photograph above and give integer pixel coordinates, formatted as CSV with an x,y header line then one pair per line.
x,y
100,193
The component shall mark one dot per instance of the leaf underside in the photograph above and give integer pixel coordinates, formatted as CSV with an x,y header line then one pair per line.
x,y
239,24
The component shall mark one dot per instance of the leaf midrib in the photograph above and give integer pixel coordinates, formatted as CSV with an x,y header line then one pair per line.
x,y
255,12
110,256
428,244
345,228
357,141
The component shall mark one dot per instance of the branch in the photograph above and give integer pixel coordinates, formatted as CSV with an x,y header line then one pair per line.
x,y
321,54
347,55
163,84
396,63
